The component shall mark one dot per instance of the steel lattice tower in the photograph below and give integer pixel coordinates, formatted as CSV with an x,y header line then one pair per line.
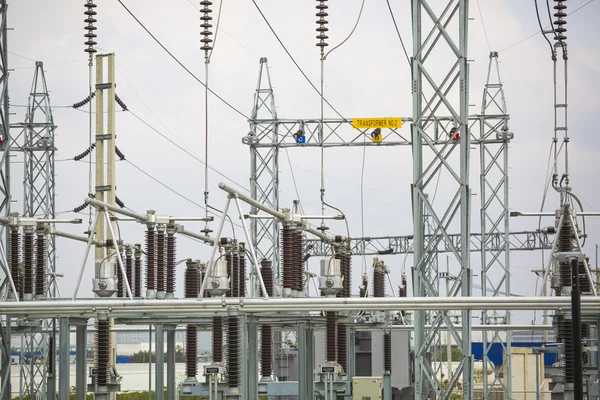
x,y
264,167
5,328
36,141
495,215
440,34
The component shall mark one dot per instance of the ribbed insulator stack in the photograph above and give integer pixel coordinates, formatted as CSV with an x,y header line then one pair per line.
x,y
298,260
137,266
120,280
565,333
40,264
362,291
378,281
160,261
565,244
150,259
287,256
266,333
233,327
28,264
342,329
585,285
322,24
217,339
242,270
15,255
171,255
51,355
387,353
103,351
90,20
560,24
331,334
206,25
129,267
191,337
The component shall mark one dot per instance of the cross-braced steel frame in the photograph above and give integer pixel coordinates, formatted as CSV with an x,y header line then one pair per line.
x,y
35,139
440,86
495,215
5,328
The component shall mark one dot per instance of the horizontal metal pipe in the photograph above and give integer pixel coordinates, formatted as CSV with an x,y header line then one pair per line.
x,y
72,236
100,204
551,214
336,217
197,307
206,239
252,202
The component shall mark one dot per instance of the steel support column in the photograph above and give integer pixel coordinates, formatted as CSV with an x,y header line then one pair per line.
x,y
171,382
495,217
252,360
264,168
160,363
440,88
64,363
81,361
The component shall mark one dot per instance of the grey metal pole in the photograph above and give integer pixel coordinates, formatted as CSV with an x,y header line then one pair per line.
x,y
160,363
64,365
310,362
537,376
302,360
253,361
81,361
51,376
170,363
149,362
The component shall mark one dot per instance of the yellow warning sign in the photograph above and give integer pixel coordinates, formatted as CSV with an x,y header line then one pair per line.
x,y
364,123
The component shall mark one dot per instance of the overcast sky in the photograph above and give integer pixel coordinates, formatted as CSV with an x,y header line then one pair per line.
x,y
367,76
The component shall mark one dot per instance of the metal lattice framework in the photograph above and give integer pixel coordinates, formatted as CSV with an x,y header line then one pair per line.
x,y
495,216
440,88
5,328
385,245
35,139
264,167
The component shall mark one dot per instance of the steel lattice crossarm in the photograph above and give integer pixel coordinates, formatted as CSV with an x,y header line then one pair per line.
x,y
383,245
339,132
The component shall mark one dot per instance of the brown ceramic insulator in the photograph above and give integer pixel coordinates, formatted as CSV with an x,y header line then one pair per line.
x,y
565,244
242,271
266,338
287,256
103,350
171,255
40,265
191,351
266,355
129,269
120,284
28,263
217,339
362,291
565,329
137,266
90,19
229,261
235,274
387,352
206,25
342,346
331,336
233,347
378,282
585,285
150,258
15,253
51,355
298,260
321,24
559,23
191,281
160,261
402,292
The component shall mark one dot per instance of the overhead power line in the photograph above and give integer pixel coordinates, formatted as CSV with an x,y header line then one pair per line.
x,y
185,150
294,60
180,63
398,31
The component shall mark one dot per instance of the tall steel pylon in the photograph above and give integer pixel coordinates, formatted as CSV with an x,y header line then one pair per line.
x,y
36,140
495,215
440,38
264,167
5,322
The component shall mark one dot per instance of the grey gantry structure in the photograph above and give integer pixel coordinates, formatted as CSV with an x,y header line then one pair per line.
x,y
440,112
